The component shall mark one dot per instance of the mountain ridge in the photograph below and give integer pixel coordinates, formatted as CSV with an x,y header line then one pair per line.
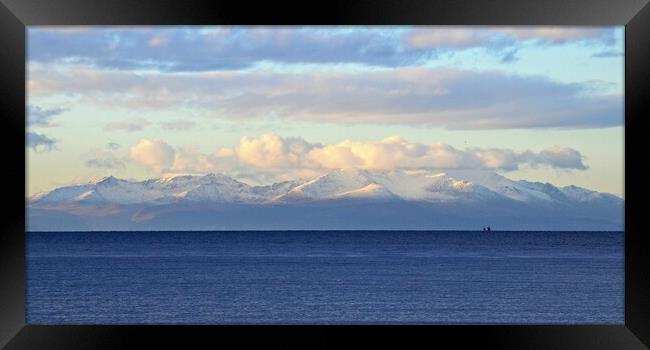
x,y
436,196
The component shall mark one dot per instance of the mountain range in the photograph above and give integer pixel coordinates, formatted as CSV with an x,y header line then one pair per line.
x,y
344,199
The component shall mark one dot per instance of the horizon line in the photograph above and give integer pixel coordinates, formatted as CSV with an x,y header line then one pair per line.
x,y
304,230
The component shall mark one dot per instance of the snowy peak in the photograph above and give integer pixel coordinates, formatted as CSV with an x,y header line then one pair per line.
x,y
371,191
410,185
62,194
580,194
330,185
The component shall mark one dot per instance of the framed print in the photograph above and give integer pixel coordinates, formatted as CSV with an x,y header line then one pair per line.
x,y
453,172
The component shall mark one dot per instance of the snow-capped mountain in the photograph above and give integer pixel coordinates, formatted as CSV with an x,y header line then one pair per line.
x,y
442,199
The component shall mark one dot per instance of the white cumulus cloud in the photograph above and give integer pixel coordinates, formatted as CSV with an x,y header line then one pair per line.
x,y
156,155
271,156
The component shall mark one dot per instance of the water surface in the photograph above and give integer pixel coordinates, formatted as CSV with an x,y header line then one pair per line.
x,y
325,277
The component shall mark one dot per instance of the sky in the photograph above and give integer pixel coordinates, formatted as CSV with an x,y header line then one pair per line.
x,y
267,104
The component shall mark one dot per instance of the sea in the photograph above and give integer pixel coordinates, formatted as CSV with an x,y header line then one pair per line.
x,y
325,277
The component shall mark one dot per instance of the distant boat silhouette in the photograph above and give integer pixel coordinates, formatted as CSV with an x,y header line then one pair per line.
x,y
487,229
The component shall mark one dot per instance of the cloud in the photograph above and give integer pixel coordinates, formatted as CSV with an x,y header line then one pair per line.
x,y
272,151
38,116
498,37
157,155
216,48
41,117
271,156
157,41
39,142
130,126
564,158
190,160
105,159
556,34
608,54
396,153
508,160
509,56
108,162
445,98
192,49
178,125
446,37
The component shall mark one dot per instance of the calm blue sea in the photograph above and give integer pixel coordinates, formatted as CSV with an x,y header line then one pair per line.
x,y
325,277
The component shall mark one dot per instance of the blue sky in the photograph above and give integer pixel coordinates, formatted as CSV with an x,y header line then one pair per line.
x,y
269,103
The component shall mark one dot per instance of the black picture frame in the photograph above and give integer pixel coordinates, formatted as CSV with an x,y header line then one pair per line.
x,y
15,15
